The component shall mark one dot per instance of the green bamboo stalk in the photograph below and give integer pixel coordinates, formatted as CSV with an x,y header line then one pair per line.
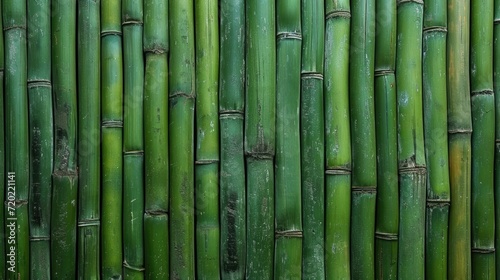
x,y
436,138
459,139
181,127
364,162
288,206
232,163
112,139
260,108
411,152
3,163
16,132
496,89
41,137
89,110
156,139
337,141
483,139
387,219
312,138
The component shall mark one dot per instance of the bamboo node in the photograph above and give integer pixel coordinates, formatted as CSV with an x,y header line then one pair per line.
x,y
289,234
132,22
481,92
39,238
133,153
384,72
483,250
364,189
89,223
206,161
496,21
289,35
338,171
231,114
311,75
340,13
386,236
112,124
128,266
417,169
401,2
17,203
39,83
22,27
188,95
111,33
438,202
429,29
157,212
459,131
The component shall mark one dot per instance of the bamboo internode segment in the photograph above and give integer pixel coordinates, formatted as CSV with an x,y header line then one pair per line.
x,y
496,90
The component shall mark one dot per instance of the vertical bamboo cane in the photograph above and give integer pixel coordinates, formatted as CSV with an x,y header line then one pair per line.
x,y
232,163
181,127
483,139
3,163
436,138
337,141
459,139
156,139
496,89
260,108
41,137
312,139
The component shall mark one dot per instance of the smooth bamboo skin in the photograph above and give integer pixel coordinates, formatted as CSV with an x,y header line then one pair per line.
x,y
3,163
260,218
157,261
181,148
312,139
16,125
436,138
411,153
483,139
232,162
496,89
364,161
459,139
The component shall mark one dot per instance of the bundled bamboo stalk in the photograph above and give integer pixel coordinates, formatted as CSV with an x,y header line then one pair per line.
x,y
312,139
3,163
338,146
181,127
459,139
260,108
436,138
387,220
364,161
41,136
483,139
89,156
156,139
232,163
496,89
64,177
112,140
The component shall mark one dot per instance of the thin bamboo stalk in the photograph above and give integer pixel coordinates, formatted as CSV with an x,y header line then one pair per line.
x,y
312,137
387,219
232,163
3,163
260,108
459,139
496,89
337,141
181,127
483,139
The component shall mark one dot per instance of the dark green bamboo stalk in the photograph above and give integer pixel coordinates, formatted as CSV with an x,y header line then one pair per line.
x,y
436,138
41,137
260,108
483,139
387,220
411,152
156,139
312,137
459,139
288,206
337,141
364,161
112,148
232,164
496,89
3,163
89,158
181,127
17,137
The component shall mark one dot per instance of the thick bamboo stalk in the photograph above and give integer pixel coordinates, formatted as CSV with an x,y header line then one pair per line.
x,y
260,108
156,139
364,162
3,163
288,206
41,136
459,139
337,141
181,127
483,139
436,138
387,220
112,139
232,163
16,132
312,137
496,89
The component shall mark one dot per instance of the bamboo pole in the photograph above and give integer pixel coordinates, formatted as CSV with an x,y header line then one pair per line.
x,y
260,108
436,138
312,139
337,141
496,89
483,139
3,152
459,139
156,139
232,163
